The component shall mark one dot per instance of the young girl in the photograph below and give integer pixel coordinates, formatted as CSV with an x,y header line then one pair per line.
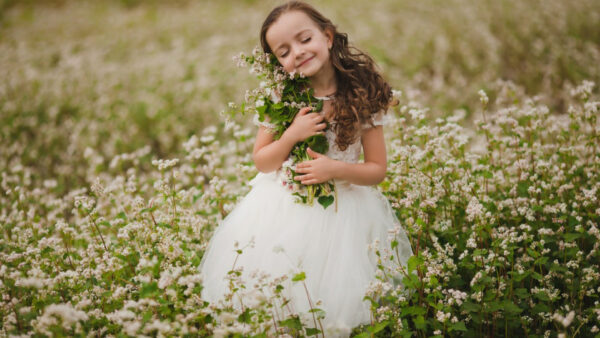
x,y
331,247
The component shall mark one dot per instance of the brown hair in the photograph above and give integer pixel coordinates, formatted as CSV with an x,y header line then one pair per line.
x,y
361,90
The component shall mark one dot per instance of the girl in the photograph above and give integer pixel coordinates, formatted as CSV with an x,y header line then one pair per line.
x,y
329,246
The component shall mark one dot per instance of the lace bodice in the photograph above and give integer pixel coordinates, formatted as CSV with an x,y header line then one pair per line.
x,y
352,152
350,155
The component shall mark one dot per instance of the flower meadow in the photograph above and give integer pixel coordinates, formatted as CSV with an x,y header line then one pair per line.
x,y
116,168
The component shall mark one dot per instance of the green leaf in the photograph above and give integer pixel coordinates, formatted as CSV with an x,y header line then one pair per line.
x,y
413,262
522,188
532,253
570,237
542,296
558,268
540,307
458,326
519,277
379,326
413,310
363,335
480,252
164,225
522,293
325,201
310,331
148,209
471,307
411,281
318,143
537,276
299,277
572,221
149,290
511,307
319,106
318,312
246,316
292,323
493,306
420,322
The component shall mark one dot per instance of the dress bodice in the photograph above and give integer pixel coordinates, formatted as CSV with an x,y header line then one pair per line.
x,y
352,153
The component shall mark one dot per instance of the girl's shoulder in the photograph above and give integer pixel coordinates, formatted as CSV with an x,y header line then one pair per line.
x,y
378,118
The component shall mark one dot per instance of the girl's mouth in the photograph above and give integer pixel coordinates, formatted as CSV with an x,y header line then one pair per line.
x,y
305,61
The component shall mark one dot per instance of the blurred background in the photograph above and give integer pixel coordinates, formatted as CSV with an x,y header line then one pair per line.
x,y
97,79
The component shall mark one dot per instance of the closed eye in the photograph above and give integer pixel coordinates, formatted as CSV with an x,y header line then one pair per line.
x,y
306,40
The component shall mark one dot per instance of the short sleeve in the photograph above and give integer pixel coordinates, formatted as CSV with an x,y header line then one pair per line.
x,y
379,119
265,124
270,126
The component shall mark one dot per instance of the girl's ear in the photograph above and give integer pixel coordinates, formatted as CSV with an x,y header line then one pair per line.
x,y
329,34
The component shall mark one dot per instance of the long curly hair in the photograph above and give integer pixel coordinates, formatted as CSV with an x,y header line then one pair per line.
x,y
361,90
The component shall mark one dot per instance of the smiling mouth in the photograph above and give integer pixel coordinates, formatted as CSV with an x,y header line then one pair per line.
x,y
305,61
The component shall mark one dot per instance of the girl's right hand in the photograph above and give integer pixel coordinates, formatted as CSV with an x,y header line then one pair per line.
x,y
305,124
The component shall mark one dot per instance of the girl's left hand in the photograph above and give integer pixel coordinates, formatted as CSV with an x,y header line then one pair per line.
x,y
318,170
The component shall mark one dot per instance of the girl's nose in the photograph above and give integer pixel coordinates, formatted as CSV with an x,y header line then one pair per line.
x,y
298,52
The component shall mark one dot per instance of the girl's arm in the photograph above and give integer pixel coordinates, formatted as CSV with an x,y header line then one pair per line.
x,y
269,154
371,172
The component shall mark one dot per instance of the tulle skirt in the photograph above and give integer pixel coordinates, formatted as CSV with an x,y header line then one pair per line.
x,y
279,236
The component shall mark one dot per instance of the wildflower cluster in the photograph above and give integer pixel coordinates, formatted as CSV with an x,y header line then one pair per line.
x,y
123,255
505,230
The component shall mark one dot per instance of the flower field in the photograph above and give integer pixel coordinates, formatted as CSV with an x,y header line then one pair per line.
x,y
117,165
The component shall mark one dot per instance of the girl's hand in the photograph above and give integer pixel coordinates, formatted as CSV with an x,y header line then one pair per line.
x,y
305,124
318,170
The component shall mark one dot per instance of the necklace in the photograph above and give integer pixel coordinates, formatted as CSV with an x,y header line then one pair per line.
x,y
325,98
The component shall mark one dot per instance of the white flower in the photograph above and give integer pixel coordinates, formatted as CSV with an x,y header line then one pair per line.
x,y
584,90
131,327
227,317
259,103
66,312
442,316
564,321
483,97
165,164
474,209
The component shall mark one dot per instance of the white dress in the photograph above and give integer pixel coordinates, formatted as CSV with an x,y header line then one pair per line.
x,y
331,248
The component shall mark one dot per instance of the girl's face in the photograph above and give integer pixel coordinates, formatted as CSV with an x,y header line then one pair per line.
x,y
299,44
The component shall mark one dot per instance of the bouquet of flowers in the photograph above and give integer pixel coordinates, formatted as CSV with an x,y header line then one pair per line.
x,y
279,97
